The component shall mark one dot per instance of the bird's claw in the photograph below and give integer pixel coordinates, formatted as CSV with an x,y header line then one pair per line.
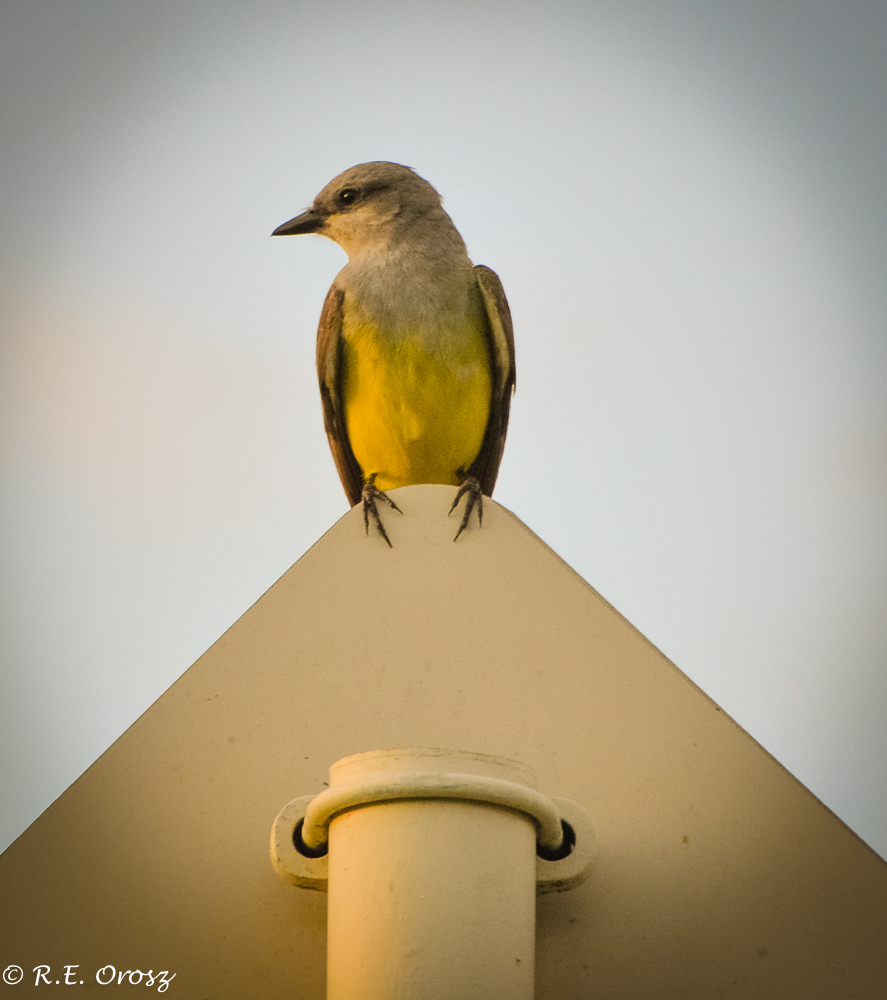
x,y
470,489
369,495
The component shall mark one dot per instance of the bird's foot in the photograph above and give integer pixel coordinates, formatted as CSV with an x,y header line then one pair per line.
x,y
470,489
369,495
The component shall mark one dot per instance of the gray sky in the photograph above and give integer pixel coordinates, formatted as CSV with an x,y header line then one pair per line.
x,y
686,204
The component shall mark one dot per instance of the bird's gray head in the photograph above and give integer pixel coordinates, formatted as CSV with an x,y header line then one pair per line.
x,y
370,205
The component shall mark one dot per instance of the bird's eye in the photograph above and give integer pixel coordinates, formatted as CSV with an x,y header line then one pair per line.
x,y
347,196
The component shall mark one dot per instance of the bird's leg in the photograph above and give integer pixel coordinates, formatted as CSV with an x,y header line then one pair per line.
x,y
471,488
369,495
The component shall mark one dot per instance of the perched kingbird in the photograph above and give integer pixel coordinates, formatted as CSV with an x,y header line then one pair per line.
x,y
415,349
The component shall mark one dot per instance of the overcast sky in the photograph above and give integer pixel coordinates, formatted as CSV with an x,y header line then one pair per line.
x,y
687,205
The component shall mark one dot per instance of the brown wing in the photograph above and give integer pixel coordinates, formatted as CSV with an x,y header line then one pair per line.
x,y
500,334
329,375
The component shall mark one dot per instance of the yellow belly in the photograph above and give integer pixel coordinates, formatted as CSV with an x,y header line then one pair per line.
x,y
415,415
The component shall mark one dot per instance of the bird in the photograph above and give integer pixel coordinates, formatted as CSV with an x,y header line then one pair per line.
x,y
415,345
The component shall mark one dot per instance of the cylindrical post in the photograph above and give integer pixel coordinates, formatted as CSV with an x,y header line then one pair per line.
x,y
430,899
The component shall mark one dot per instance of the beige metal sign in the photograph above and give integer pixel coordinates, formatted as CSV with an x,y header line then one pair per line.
x,y
718,874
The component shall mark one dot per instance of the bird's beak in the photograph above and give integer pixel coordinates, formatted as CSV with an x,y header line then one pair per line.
x,y
308,222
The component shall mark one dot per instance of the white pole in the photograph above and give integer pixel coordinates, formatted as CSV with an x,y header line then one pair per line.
x,y
430,898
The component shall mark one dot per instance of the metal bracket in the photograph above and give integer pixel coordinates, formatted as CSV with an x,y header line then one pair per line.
x,y
565,841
